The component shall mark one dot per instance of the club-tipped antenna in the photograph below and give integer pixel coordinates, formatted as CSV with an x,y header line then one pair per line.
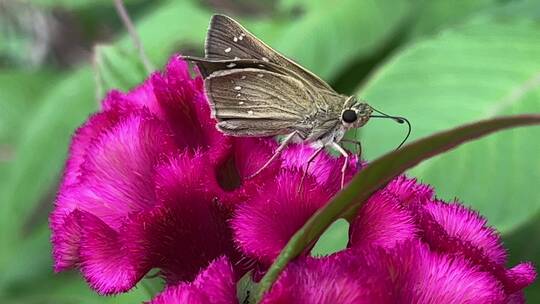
x,y
398,119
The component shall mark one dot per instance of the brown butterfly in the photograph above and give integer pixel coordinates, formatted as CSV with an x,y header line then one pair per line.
x,y
255,91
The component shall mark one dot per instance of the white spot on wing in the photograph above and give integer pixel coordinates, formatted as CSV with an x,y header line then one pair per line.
x,y
241,36
235,39
265,59
227,50
238,88
260,75
238,95
236,58
243,77
231,65
241,103
261,65
250,112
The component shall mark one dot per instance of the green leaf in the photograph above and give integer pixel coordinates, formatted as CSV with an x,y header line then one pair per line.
x,y
116,67
18,91
376,175
28,266
329,36
68,288
246,288
485,68
77,4
434,15
334,239
40,154
170,27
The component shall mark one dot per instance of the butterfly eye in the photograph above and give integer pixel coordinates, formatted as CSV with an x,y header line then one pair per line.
x,y
349,116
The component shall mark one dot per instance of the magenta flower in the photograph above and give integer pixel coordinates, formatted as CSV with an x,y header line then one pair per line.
x,y
407,210
150,183
214,285
407,273
402,212
264,224
121,209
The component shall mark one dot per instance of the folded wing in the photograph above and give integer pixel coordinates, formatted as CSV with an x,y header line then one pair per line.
x,y
228,40
256,102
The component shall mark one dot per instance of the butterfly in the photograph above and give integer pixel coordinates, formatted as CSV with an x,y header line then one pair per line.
x,y
255,91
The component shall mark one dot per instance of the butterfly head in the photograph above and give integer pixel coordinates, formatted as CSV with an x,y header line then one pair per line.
x,y
355,114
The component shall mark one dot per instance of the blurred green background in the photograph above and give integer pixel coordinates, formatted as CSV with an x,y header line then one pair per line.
x,y
439,63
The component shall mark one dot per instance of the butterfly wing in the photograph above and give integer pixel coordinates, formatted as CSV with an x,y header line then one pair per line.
x,y
228,40
246,102
209,66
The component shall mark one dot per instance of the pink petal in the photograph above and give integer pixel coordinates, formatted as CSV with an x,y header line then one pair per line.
x,y
96,125
386,218
521,276
190,228
468,226
141,97
117,171
180,237
382,221
184,175
233,172
65,238
447,228
408,273
516,298
264,224
339,278
409,191
179,101
186,109
182,234
429,277
215,285
250,154
325,168
108,264
116,179
455,229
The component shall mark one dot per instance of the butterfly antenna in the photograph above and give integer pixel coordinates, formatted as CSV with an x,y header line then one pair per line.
x,y
398,119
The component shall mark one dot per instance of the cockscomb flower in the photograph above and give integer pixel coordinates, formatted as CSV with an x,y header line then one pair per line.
x,y
409,272
264,224
404,211
151,183
407,210
214,285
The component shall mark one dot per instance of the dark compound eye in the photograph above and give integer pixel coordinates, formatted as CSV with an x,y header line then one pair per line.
x,y
349,116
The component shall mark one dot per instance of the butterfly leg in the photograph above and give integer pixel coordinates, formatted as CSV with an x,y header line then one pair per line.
x,y
355,142
308,163
342,151
278,151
